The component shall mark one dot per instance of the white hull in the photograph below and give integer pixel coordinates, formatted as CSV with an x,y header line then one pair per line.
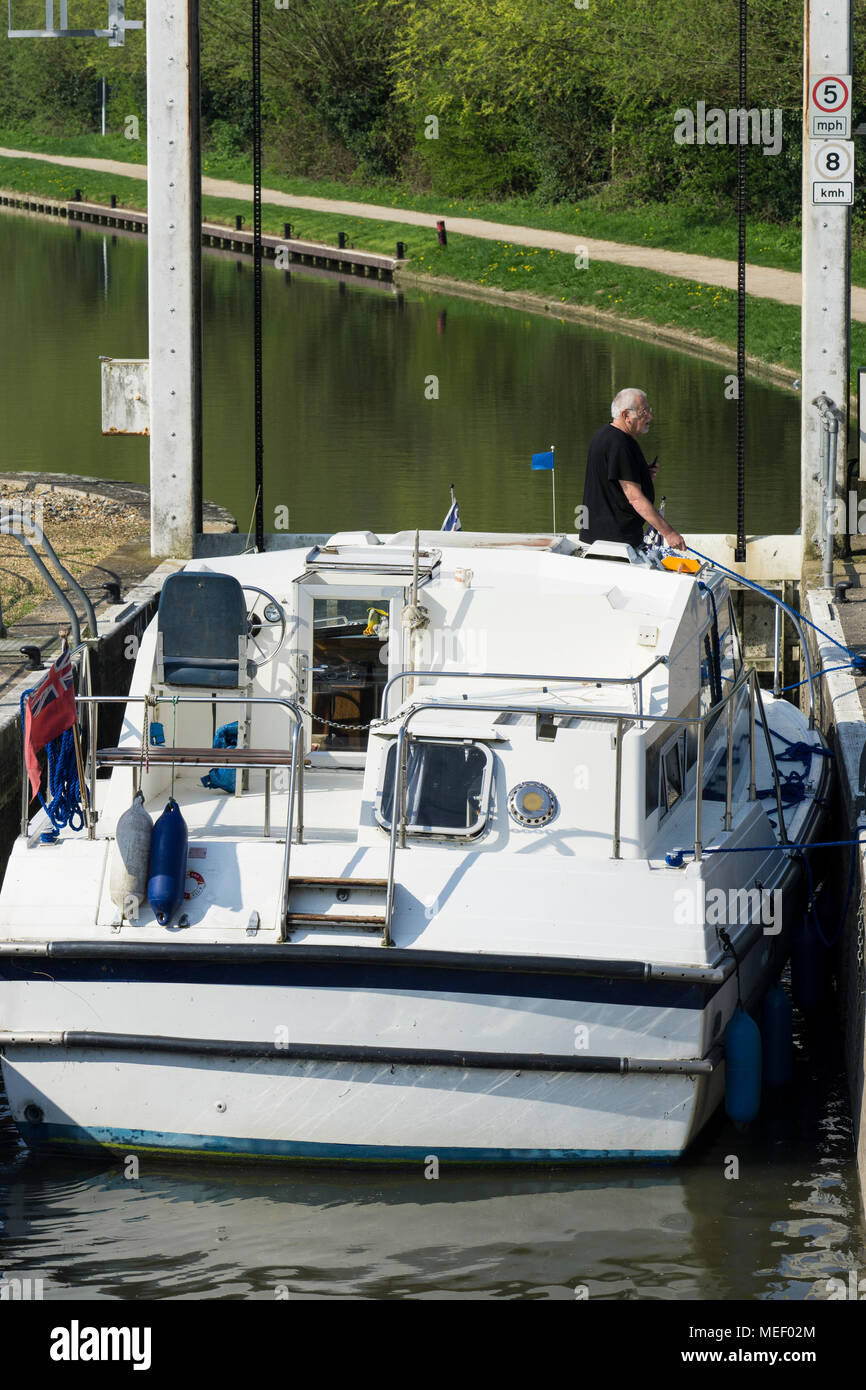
x,y
226,1075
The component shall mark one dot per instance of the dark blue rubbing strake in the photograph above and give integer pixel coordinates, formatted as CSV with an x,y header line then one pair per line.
x,y
167,877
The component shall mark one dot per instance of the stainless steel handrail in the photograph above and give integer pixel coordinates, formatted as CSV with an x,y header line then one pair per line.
x,y
747,678
296,781
517,676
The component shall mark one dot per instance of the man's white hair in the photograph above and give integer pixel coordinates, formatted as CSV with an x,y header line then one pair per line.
x,y
628,399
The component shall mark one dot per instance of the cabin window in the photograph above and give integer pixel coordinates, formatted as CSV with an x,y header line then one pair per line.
x,y
671,774
447,787
350,668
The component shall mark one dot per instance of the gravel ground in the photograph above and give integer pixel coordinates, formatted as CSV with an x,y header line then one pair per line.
x,y
82,530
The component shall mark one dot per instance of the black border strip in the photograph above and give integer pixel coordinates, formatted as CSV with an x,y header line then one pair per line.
x,y
285,952
396,1056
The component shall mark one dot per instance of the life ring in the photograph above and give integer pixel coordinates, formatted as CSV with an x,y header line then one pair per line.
x,y
198,881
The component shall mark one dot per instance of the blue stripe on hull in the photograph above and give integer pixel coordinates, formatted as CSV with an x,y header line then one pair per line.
x,y
53,1138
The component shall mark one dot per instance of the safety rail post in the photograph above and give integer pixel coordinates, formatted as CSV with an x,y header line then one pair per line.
x,y
699,793
92,735
297,753
392,842
769,742
617,795
729,771
753,786
403,792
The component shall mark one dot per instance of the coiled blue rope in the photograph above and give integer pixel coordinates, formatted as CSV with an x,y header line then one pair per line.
x,y
64,809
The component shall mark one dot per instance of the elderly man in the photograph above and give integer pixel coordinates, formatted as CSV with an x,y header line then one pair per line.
x,y
618,494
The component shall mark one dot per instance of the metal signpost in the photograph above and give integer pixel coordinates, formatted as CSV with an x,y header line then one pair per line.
x,y
828,190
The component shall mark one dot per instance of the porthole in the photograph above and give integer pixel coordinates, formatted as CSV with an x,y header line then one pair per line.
x,y
532,804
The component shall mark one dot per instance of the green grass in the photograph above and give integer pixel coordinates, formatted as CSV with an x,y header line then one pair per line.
x,y
705,310
672,226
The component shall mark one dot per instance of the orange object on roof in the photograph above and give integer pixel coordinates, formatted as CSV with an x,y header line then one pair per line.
x,y
680,565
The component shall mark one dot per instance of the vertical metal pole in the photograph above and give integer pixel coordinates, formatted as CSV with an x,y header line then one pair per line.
x,y
267,803
769,742
617,795
826,276
740,549
831,431
753,787
257,274
777,626
392,844
174,275
729,771
699,794
103,106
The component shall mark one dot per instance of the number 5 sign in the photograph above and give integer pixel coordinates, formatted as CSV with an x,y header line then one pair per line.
x,y
830,107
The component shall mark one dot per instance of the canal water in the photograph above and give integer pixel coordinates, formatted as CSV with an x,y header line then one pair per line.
x,y
767,1214
772,1213
351,438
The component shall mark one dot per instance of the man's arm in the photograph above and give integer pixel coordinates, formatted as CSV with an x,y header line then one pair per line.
x,y
644,508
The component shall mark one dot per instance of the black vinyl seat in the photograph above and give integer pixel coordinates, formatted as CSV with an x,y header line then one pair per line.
x,y
202,632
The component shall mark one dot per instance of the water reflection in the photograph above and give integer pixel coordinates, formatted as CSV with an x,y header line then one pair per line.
x,y
789,1222
356,435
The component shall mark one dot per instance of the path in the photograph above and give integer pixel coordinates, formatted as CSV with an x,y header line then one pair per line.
x,y
763,282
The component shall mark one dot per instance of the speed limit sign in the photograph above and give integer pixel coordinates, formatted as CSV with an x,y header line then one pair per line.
x,y
830,106
831,171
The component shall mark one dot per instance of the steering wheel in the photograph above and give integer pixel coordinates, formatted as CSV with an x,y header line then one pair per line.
x,y
258,622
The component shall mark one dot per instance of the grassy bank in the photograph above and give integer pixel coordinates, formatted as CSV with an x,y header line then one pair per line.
x,y
706,311
671,226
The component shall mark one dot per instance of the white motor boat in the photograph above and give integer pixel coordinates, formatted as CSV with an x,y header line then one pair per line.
x,y
503,841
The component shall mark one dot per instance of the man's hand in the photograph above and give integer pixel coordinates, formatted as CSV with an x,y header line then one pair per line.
x,y
654,469
644,508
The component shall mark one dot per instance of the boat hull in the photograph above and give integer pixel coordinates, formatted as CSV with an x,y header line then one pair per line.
x,y
302,1060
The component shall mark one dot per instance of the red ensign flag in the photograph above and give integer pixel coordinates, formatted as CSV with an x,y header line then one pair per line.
x,y
49,711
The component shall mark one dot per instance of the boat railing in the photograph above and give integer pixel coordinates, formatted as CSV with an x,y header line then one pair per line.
x,y
703,723
579,679
133,756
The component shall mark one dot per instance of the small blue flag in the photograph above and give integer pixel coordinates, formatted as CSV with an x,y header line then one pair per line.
x,y
452,520
543,460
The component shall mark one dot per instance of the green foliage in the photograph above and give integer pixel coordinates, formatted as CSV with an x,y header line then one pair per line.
x,y
534,98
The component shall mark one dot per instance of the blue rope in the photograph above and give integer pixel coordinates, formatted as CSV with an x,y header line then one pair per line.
x,y
64,808
858,661
760,849
846,666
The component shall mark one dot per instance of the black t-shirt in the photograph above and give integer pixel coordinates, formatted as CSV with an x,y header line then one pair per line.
x,y
614,455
